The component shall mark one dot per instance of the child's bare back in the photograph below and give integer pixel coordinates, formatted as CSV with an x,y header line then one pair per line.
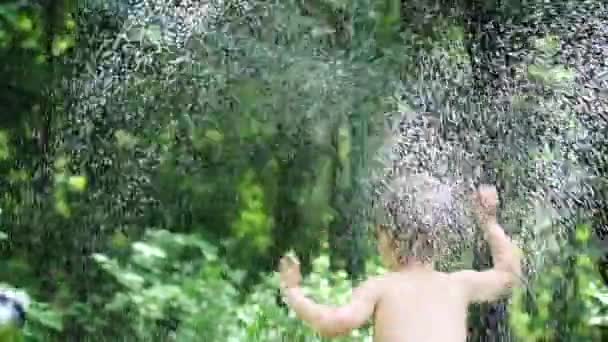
x,y
413,302
421,305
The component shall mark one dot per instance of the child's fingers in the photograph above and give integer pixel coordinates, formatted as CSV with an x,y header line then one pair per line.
x,y
288,262
283,265
291,260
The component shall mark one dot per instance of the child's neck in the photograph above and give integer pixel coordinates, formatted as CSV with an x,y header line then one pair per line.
x,y
414,264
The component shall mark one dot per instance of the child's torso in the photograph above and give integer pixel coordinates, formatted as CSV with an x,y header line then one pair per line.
x,y
424,307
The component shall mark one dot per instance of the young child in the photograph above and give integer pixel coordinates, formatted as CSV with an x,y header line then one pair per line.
x,y
413,302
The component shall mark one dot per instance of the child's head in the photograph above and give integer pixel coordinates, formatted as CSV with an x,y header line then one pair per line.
x,y
418,217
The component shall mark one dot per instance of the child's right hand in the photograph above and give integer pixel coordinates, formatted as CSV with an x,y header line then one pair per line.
x,y
485,203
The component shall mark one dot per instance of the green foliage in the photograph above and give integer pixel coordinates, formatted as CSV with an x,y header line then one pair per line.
x,y
31,35
235,152
253,224
565,299
10,334
174,279
177,285
41,320
238,142
552,76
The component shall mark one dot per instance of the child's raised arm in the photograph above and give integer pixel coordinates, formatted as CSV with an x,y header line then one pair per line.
x,y
496,282
326,320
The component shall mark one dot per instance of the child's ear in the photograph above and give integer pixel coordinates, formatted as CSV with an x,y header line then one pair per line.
x,y
396,246
393,243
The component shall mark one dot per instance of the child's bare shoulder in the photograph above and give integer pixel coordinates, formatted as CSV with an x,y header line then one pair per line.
x,y
372,287
387,280
375,282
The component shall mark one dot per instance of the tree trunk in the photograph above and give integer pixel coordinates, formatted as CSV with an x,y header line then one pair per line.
x,y
359,123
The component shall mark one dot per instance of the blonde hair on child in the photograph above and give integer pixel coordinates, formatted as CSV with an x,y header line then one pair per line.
x,y
421,215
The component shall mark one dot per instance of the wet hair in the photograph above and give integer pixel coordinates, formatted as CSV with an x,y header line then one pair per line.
x,y
418,187
423,216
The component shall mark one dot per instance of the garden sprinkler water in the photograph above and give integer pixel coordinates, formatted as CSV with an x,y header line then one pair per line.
x,y
13,307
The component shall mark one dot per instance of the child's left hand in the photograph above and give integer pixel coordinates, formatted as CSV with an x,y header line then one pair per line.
x,y
289,269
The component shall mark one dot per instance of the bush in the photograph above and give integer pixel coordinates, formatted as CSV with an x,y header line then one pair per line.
x,y
41,319
175,287
568,301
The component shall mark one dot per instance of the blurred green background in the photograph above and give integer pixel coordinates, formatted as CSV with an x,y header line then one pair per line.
x,y
158,157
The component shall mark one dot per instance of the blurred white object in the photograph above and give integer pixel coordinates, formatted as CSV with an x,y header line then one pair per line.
x,y
13,306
